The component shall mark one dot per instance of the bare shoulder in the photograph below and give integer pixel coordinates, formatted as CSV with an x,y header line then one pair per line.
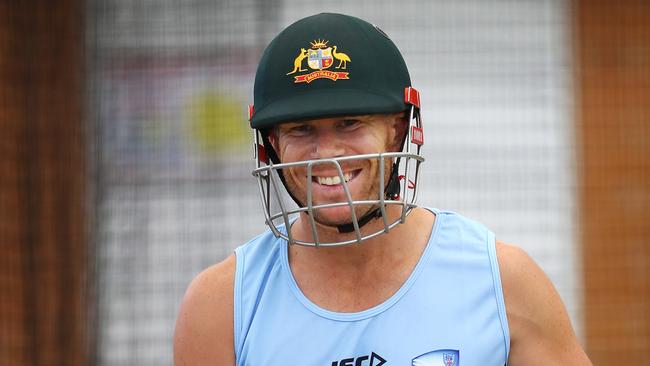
x,y
540,329
204,327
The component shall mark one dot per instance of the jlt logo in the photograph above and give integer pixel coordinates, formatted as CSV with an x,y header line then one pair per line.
x,y
372,360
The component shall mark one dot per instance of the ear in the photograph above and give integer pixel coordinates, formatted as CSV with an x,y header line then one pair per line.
x,y
399,126
273,138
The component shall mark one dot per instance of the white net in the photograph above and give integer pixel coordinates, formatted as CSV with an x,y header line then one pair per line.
x,y
170,83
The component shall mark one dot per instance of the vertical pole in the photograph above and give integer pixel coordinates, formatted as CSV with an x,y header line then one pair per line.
x,y
42,174
613,82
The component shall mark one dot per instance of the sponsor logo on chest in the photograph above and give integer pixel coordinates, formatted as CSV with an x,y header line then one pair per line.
x,y
372,359
441,357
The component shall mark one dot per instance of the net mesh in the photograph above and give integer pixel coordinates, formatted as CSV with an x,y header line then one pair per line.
x,y
170,81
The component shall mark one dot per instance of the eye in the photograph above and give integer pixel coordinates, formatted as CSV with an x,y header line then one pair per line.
x,y
300,130
349,123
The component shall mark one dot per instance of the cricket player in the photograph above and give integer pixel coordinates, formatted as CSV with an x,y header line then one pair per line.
x,y
352,272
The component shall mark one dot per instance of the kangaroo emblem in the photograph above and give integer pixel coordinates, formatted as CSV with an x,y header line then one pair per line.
x,y
297,63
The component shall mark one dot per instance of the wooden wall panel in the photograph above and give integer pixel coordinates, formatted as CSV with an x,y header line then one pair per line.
x,y
42,195
13,334
613,86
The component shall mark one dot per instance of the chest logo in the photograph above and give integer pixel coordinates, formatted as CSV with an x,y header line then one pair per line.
x,y
320,57
441,357
369,360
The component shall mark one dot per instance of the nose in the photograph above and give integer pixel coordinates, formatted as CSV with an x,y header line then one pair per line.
x,y
328,144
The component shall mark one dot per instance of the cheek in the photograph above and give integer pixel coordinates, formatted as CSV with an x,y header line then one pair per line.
x,y
374,171
374,143
380,140
297,175
291,150
388,166
293,175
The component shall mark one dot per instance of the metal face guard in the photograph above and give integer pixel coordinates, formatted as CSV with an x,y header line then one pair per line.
x,y
269,183
408,162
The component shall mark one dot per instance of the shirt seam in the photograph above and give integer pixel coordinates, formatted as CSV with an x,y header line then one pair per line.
x,y
496,278
237,308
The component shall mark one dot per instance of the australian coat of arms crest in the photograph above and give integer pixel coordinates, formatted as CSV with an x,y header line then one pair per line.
x,y
320,57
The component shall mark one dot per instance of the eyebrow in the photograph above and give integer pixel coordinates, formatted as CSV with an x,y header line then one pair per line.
x,y
361,117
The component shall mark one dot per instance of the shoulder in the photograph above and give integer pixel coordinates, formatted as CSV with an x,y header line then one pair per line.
x,y
515,262
454,225
540,329
204,327
527,290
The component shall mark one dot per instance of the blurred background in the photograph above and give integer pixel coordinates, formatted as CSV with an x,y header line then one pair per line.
x,y
125,156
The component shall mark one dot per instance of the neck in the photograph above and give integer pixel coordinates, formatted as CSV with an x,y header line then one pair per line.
x,y
402,239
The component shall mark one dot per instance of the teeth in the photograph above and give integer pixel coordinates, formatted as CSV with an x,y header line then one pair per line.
x,y
331,181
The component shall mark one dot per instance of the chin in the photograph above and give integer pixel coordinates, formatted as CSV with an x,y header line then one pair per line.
x,y
336,216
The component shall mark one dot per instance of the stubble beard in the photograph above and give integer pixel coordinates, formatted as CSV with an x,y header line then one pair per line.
x,y
323,216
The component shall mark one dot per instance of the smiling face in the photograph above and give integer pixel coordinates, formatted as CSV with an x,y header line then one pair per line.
x,y
333,138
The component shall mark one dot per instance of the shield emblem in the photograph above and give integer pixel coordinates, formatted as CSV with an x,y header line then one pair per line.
x,y
449,359
320,58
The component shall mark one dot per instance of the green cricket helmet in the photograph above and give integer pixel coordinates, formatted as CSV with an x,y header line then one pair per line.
x,y
330,65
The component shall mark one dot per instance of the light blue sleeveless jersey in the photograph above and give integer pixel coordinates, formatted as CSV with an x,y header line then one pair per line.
x,y
449,312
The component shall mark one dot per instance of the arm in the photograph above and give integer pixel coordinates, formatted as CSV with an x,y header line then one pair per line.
x,y
204,328
540,329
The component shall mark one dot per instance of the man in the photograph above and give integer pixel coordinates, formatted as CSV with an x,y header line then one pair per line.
x,y
352,272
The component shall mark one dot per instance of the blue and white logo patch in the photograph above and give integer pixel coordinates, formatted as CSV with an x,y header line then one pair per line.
x,y
440,357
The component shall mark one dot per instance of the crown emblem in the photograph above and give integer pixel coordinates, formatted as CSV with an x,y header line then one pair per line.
x,y
320,43
320,56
